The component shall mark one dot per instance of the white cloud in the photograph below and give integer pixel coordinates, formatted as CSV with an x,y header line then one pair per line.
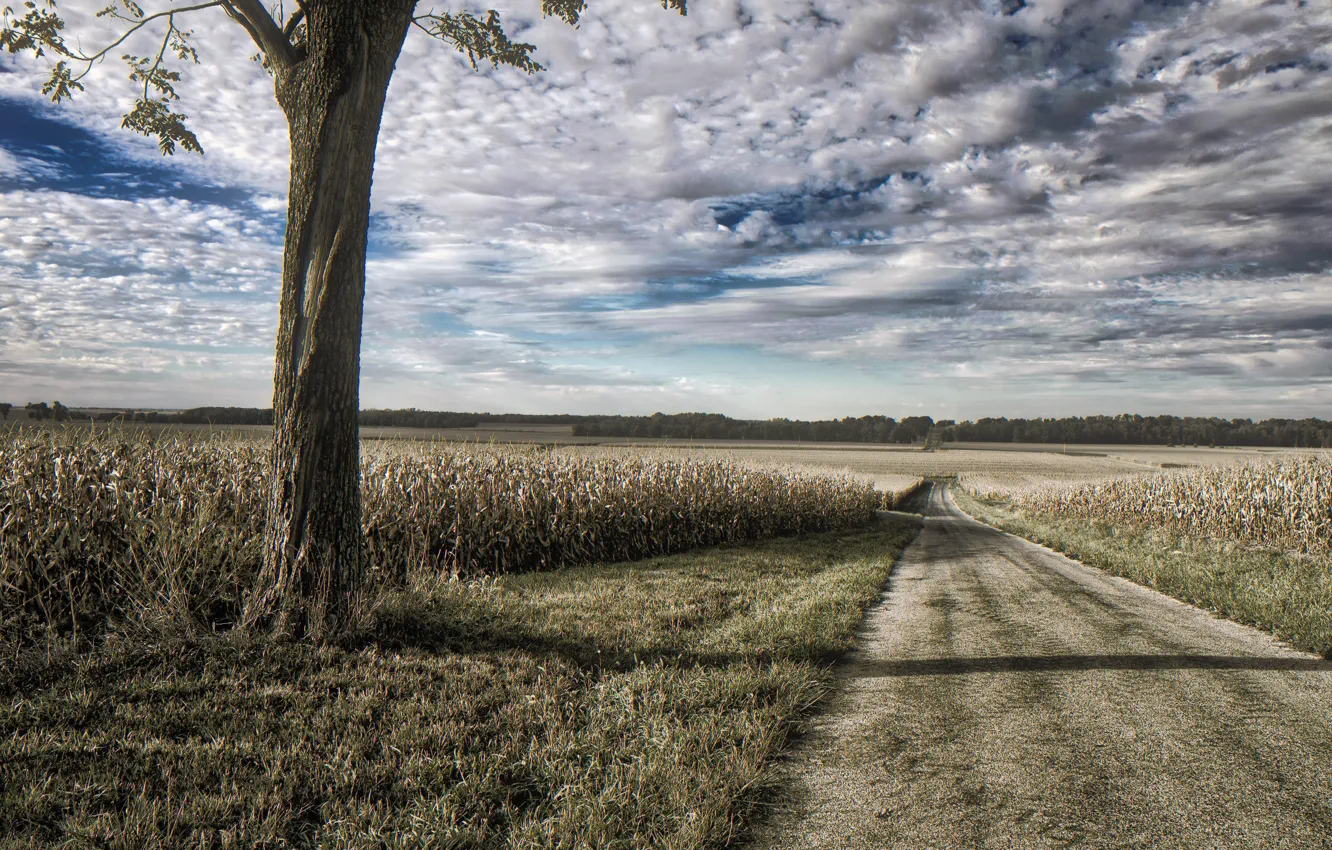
x,y
1081,193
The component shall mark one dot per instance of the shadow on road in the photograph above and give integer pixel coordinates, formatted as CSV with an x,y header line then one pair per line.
x,y
1056,663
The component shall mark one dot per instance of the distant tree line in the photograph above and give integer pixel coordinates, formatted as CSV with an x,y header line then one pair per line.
x,y
1124,429
412,418
40,410
1131,429
715,426
58,412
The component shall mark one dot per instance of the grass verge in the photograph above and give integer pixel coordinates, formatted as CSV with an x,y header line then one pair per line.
x,y
632,705
1286,594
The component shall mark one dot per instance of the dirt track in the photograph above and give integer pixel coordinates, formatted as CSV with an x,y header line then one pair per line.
x,y
1005,696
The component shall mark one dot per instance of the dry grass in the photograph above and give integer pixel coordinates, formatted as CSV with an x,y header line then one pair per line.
x,y
1251,541
624,706
119,529
1017,485
1285,593
1283,504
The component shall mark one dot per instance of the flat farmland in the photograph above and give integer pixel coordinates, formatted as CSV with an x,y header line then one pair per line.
x,y
1245,538
1147,455
880,463
888,468
536,671
519,434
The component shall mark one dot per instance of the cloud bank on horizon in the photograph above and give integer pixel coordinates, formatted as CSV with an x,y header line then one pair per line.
x,y
806,209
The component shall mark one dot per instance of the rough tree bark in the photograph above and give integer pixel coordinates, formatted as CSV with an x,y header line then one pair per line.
x,y
312,575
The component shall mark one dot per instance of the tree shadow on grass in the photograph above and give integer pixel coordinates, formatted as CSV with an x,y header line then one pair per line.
x,y
468,621
462,628
460,622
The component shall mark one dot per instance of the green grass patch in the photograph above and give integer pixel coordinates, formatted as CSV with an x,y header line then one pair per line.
x,y
632,705
1284,593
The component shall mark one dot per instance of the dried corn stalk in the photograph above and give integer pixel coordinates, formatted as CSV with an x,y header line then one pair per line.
x,y
98,526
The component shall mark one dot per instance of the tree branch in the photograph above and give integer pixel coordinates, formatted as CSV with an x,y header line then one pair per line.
x,y
252,15
166,39
140,24
295,21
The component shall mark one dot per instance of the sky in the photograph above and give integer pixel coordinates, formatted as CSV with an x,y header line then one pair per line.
x,y
763,209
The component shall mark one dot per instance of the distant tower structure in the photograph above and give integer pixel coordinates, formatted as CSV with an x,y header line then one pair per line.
x,y
934,440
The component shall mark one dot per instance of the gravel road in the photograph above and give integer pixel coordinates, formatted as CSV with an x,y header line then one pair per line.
x,y
1005,696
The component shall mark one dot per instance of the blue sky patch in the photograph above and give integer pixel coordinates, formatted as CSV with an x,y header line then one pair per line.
x,y
803,204
76,160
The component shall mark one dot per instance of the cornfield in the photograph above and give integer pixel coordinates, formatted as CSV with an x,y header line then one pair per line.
x,y
98,528
897,490
1284,504
1014,486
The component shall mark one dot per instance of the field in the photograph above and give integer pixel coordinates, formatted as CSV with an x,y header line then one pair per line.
x,y
1154,456
535,670
631,705
105,528
117,528
523,676
1283,504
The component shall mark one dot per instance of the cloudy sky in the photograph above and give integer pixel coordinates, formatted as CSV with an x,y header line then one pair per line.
x,y
767,208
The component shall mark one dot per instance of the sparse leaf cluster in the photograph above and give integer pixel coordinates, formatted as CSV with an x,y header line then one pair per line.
x,y
479,39
40,31
37,30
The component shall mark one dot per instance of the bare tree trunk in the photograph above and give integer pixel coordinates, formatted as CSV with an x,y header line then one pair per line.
x,y
311,581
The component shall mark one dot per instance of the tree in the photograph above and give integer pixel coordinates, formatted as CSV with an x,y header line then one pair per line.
x,y
331,61
5,407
